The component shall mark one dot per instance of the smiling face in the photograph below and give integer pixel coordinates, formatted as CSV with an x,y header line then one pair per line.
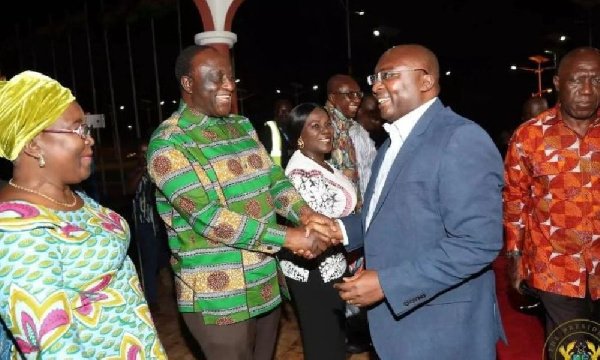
x,y
68,156
345,95
578,85
317,134
210,85
410,82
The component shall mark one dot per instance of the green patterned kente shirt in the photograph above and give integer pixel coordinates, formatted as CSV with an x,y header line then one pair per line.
x,y
218,193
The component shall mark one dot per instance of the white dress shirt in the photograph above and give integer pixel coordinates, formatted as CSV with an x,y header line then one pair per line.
x,y
365,150
398,131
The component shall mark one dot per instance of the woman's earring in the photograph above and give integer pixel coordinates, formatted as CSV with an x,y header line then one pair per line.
x,y
41,161
300,143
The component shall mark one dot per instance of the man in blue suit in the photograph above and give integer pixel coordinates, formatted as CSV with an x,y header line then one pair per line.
x,y
432,222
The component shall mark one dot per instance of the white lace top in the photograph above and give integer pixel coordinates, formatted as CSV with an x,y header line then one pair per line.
x,y
330,194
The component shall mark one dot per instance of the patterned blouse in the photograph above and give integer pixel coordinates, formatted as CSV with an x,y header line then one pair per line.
x,y
552,204
68,289
218,194
330,194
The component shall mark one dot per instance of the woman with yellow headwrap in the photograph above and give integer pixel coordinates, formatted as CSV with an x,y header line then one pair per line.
x,y
67,287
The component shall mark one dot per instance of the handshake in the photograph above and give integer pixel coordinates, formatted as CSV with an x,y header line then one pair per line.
x,y
315,235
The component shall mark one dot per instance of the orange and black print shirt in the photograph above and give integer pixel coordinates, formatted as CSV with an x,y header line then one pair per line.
x,y
552,204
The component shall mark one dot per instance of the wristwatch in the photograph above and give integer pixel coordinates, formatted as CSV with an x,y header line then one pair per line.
x,y
513,253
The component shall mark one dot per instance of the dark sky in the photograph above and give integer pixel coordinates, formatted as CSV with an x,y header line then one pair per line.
x,y
292,45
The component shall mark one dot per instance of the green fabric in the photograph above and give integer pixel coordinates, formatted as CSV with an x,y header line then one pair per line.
x,y
218,193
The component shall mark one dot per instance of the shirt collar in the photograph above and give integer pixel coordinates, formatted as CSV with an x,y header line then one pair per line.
x,y
401,128
192,116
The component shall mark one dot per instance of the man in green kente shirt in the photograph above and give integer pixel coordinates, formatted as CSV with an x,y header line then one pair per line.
x,y
218,194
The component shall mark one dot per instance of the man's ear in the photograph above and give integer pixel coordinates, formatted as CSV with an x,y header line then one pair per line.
x,y
331,98
556,82
427,82
186,84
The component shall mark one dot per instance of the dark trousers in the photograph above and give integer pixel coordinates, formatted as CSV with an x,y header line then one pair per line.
x,y
357,325
150,249
320,312
252,339
559,309
357,328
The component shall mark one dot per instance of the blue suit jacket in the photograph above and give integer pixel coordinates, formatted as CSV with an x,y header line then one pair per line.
x,y
435,231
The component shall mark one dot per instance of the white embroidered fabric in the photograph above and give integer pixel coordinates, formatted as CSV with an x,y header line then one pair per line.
x,y
330,194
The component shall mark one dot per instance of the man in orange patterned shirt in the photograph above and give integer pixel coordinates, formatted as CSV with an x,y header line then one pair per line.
x,y
552,196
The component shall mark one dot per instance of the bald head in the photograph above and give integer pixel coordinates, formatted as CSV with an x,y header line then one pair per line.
x,y
338,81
344,94
575,55
578,86
533,107
408,78
417,56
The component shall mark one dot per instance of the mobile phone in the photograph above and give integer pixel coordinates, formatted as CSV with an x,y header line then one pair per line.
x,y
528,290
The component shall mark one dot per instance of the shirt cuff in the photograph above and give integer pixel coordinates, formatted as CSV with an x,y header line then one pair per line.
x,y
345,239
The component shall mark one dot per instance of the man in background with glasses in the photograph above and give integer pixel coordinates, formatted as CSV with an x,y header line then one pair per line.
x,y
431,223
343,99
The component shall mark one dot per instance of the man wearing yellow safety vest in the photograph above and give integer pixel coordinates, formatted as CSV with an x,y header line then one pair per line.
x,y
273,134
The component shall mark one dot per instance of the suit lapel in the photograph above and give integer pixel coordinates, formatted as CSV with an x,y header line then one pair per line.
x,y
371,185
409,145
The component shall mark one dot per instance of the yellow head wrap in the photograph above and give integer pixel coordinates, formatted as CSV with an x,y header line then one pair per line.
x,y
29,103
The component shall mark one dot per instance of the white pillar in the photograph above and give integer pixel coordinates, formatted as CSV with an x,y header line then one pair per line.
x,y
216,37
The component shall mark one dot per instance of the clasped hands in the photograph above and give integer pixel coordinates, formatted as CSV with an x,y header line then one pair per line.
x,y
315,235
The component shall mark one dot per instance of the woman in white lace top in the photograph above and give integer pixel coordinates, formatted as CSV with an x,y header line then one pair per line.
x,y
319,308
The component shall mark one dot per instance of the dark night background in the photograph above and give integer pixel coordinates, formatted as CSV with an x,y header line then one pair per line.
x,y
292,45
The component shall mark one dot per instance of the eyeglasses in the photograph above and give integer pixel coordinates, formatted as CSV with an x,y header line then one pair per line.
x,y
83,131
389,74
351,94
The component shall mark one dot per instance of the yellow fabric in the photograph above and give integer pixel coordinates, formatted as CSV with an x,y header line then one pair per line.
x,y
29,103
